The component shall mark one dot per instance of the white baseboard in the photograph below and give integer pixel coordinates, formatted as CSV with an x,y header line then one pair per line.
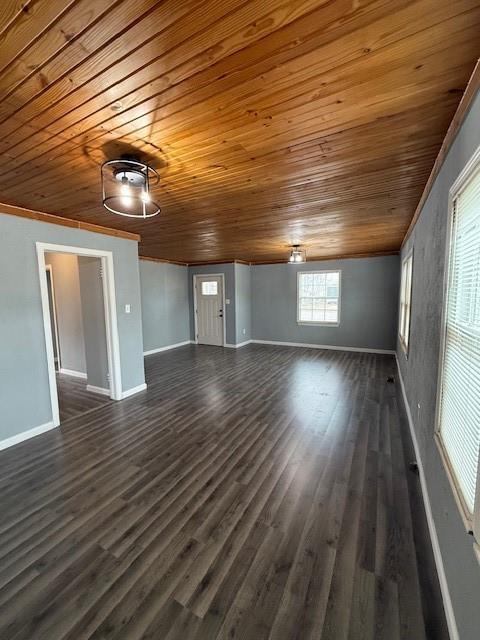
x,y
134,390
168,347
101,390
74,374
26,435
324,346
442,578
237,346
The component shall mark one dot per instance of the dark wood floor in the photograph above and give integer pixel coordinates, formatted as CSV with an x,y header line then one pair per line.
x,y
259,493
74,399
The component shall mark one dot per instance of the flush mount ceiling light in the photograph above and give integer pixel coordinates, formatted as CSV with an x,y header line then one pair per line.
x,y
126,187
297,255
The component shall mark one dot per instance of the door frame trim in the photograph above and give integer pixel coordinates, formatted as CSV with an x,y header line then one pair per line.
x,y
195,308
48,267
110,309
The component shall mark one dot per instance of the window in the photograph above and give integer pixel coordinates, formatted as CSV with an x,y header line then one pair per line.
x,y
458,414
318,297
209,288
405,301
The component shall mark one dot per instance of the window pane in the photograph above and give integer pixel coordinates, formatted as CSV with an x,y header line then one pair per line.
x,y
331,314
405,300
318,316
209,288
318,295
319,303
459,415
332,291
306,303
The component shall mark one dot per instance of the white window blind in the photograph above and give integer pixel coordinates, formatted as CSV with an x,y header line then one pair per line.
x,y
459,415
318,297
405,301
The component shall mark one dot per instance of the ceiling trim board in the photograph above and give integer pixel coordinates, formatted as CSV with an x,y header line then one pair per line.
x,y
40,216
163,260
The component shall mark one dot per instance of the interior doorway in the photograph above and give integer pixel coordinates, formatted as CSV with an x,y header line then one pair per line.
x,y
209,298
81,335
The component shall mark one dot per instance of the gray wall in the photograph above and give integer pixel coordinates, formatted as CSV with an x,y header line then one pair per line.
x,y
369,299
243,302
228,271
68,304
420,372
165,309
93,315
24,389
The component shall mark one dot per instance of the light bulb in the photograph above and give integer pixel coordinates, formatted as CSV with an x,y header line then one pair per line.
x,y
298,257
126,194
145,196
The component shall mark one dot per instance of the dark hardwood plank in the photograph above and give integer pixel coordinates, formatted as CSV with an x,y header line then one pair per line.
x,y
73,397
260,493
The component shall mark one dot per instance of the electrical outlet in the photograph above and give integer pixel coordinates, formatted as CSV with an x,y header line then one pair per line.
x,y
227,301
244,331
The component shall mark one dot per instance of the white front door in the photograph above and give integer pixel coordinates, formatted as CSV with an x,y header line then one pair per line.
x,y
209,311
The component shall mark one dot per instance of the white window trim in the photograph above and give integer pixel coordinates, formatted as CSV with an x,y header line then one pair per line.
x,y
405,343
316,322
471,522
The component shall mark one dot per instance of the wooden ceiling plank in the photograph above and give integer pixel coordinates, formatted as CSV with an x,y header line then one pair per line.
x,y
102,34
402,75
27,26
245,131
95,193
11,12
381,178
140,132
65,33
221,28
319,127
298,37
152,21
467,98
408,124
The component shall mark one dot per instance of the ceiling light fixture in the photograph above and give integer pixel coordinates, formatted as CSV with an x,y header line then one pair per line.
x,y
126,184
297,255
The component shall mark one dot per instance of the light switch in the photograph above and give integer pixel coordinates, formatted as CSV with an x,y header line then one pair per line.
x,y
127,308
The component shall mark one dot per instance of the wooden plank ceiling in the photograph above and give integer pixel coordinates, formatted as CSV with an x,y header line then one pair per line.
x,y
271,122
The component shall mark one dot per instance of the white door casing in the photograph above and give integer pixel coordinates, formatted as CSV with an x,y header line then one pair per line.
x,y
113,343
209,309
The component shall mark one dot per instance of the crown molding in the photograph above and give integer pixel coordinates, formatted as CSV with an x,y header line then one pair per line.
x,y
31,214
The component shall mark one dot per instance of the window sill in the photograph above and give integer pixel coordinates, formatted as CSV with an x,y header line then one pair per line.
x,y
318,324
467,519
465,516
